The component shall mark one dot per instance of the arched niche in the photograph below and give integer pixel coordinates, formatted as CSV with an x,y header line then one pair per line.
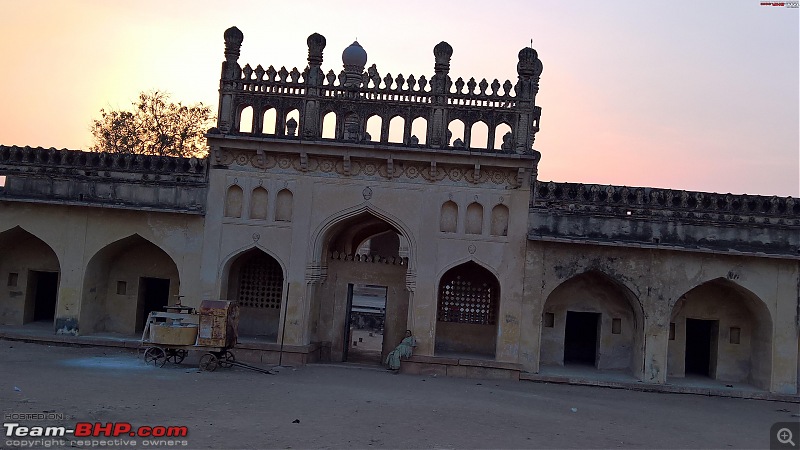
x,y
29,278
123,282
259,200
234,199
592,320
256,281
448,218
467,308
721,330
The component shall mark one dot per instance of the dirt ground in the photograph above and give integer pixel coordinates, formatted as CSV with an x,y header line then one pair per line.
x,y
333,406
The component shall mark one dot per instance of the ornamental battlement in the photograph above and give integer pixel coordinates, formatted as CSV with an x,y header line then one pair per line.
x,y
108,180
646,202
355,95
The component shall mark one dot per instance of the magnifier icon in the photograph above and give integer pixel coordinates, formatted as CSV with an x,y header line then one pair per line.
x,y
784,436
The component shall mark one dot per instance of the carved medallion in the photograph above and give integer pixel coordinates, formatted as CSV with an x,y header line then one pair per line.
x,y
367,193
326,165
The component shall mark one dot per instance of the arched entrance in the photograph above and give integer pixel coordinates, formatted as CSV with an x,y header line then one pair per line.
x,y
722,331
29,273
255,281
466,319
123,283
361,305
591,320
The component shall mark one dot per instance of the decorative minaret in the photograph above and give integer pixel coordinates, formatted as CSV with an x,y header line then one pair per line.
x,y
354,58
440,86
231,72
311,128
529,68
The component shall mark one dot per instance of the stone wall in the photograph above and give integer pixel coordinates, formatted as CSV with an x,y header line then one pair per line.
x,y
758,295
93,248
664,218
126,181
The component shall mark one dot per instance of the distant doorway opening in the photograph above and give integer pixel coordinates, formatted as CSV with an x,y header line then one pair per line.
x,y
153,296
43,288
580,338
365,323
701,344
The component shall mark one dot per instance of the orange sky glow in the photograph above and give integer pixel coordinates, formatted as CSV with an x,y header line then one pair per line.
x,y
684,94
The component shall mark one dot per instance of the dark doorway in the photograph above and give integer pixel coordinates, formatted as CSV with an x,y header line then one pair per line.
x,y
580,338
366,316
701,347
43,288
153,296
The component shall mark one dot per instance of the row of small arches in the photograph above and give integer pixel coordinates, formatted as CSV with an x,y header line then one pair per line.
x,y
393,131
258,205
473,220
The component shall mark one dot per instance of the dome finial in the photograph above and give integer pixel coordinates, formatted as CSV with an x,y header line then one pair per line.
x,y
354,55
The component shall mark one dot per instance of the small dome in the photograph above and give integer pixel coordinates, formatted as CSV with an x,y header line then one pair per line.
x,y
354,55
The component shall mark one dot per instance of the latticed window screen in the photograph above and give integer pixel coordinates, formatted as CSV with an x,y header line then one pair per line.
x,y
260,283
466,300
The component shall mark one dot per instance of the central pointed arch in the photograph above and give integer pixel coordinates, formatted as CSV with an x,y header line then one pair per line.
x,y
318,245
361,294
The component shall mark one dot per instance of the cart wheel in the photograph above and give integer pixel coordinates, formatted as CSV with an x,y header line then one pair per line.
x,y
181,355
155,356
226,359
209,362
176,356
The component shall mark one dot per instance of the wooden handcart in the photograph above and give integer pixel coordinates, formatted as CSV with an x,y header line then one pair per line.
x,y
171,335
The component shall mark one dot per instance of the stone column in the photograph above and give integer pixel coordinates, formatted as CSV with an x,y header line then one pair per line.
x,y
311,123
528,70
354,58
231,72
437,122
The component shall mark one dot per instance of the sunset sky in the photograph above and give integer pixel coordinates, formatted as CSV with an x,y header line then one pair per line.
x,y
699,95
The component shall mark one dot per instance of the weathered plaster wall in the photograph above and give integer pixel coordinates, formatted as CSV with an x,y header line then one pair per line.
x,y
592,292
658,279
138,259
747,361
465,339
77,234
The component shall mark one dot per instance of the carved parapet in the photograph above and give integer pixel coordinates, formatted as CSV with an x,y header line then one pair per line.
x,y
50,158
654,202
666,218
353,100
104,179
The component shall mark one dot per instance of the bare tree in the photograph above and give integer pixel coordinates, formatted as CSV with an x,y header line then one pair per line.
x,y
155,126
